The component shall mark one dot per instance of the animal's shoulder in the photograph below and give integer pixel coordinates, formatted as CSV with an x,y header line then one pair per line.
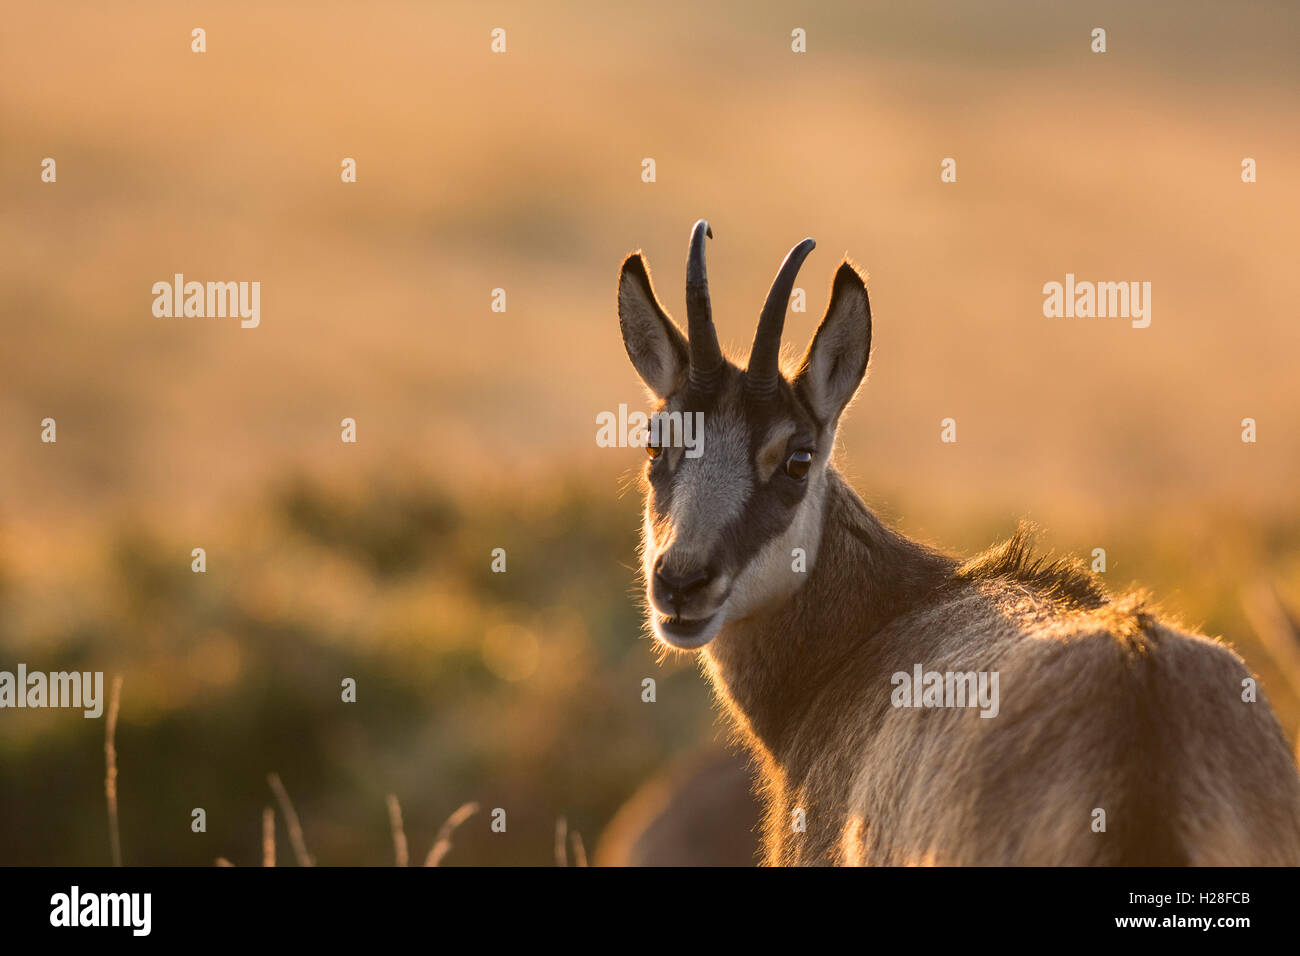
x,y
1014,563
1018,606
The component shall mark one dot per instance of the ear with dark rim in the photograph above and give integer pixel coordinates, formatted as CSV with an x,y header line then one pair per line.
x,y
653,341
835,362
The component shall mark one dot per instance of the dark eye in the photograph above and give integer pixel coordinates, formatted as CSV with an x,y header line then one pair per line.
x,y
797,465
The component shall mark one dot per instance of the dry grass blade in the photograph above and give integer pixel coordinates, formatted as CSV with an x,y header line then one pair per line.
x,y
442,845
290,821
561,835
110,776
579,849
1275,628
268,837
400,852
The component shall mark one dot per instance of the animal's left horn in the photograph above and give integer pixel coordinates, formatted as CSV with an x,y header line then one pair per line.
x,y
705,355
764,358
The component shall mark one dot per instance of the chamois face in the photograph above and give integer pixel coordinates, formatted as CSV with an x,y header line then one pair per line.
x,y
733,515
721,528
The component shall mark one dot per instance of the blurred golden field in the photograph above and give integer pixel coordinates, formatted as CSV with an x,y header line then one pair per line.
x,y
476,428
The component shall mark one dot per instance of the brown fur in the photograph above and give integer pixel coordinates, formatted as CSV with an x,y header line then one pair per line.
x,y
700,811
1102,706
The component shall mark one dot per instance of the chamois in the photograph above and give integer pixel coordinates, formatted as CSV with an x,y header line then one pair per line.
x,y
1111,737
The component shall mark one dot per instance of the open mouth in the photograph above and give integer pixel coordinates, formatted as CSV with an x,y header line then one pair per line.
x,y
686,634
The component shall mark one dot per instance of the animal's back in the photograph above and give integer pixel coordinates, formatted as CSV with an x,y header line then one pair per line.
x,y
1101,707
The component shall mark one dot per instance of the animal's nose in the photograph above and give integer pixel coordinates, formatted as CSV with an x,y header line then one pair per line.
x,y
679,587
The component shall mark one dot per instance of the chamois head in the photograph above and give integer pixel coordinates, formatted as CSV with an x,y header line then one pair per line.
x,y
721,526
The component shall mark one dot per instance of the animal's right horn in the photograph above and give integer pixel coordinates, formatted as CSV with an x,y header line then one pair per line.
x,y
765,356
706,356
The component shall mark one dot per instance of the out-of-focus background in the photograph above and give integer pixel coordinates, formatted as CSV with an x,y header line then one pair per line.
x,y
476,429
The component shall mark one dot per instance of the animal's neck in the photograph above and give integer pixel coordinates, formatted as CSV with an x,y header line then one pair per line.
x,y
771,667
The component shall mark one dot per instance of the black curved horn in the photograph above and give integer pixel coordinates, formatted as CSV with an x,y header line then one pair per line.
x,y
706,356
764,358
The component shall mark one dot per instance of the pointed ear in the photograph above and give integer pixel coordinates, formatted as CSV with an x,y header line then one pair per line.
x,y
835,362
654,343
